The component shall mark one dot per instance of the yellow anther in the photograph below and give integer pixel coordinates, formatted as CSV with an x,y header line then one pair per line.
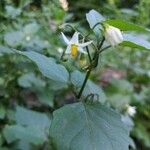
x,y
74,50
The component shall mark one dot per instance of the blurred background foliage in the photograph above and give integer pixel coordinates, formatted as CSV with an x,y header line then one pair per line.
x,y
27,99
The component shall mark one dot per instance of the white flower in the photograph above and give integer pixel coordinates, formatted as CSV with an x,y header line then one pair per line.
x,y
131,110
64,4
113,35
73,45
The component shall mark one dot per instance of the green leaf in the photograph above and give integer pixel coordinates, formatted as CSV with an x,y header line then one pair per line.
x,y
4,50
77,79
55,85
30,134
48,66
27,117
14,38
4,148
46,96
24,3
22,145
32,127
12,11
83,126
29,80
2,112
1,140
135,41
126,26
93,17
31,28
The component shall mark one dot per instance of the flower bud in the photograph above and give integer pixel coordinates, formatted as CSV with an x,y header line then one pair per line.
x,y
113,35
131,110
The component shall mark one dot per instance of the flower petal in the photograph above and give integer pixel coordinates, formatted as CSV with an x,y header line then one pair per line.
x,y
75,38
80,49
65,38
85,44
68,50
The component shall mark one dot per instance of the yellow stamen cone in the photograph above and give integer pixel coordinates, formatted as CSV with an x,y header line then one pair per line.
x,y
74,50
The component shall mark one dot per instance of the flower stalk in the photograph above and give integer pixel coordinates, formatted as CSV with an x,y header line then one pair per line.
x,y
93,64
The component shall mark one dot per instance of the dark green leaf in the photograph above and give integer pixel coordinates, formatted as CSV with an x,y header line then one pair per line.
x,y
93,126
48,66
2,112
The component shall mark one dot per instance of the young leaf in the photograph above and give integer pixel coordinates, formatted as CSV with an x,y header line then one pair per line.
x,y
93,17
83,126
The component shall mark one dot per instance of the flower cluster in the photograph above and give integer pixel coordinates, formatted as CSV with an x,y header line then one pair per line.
x,y
112,35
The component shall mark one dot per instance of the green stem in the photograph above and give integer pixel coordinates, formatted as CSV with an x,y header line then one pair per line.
x,y
84,83
101,43
92,65
104,49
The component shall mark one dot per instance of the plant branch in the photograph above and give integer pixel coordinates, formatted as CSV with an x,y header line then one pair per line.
x,y
90,59
104,48
84,82
101,43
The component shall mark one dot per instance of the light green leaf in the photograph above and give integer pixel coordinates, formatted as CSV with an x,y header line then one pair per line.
x,y
93,17
48,67
30,134
83,126
135,41
77,79
126,26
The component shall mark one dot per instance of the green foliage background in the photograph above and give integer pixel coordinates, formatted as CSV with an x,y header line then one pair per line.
x,y
27,99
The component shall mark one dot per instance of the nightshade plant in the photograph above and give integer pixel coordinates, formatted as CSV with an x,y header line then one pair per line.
x,y
89,124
